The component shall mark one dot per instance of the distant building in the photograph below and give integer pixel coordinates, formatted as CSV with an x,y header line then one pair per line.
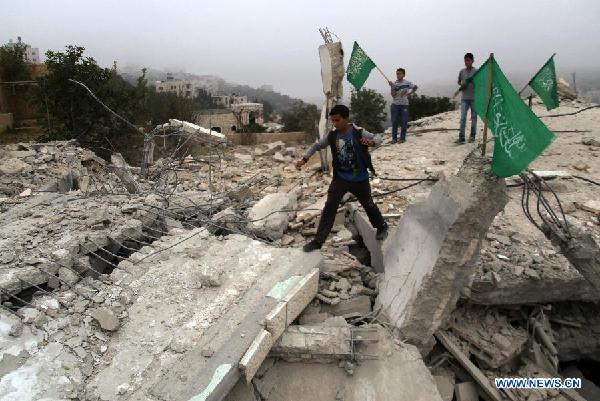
x,y
249,113
268,88
232,120
32,54
183,87
228,101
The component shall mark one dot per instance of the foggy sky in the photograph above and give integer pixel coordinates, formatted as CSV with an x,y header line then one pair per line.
x,y
275,42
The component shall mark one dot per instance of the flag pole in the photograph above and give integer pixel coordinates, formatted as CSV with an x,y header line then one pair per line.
x,y
381,72
489,98
540,69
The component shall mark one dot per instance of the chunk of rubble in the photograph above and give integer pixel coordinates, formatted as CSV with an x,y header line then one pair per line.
x,y
432,254
493,340
389,373
106,319
269,217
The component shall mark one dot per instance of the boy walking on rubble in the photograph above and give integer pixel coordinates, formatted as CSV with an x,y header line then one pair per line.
x,y
350,161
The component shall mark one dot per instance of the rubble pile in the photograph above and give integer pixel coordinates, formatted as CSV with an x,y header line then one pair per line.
x,y
184,281
27,167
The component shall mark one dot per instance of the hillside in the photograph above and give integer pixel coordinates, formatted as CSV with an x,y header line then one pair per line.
x,y
279,101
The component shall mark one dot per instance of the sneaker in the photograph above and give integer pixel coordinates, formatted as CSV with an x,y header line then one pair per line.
x,y
402,140
312,246
394,141
460,141
382,233
472,139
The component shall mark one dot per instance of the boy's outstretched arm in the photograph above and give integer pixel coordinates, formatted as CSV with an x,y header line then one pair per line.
x,y
319,145
370,139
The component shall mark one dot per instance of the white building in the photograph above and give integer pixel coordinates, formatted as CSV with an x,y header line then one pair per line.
x,y
32,54
248,113
228,101
182,87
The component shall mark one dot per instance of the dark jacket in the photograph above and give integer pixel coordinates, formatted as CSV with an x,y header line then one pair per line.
x,y
361,149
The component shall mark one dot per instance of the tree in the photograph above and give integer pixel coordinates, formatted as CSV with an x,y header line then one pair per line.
x,y
301,117
267,110
204,100
423,106
368,109
12,63
73,112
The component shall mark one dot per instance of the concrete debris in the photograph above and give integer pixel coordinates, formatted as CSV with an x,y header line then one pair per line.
x,y
492,339
445,386
391,371
270,149
466,391
451,345
306,342
192,128
269,217
419,296
106,319
194,279
592,206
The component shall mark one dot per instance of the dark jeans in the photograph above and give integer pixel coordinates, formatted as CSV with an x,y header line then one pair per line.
x,y
465,105
337,189
399,116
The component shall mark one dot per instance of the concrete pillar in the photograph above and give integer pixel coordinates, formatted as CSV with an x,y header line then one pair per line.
x,y
432,253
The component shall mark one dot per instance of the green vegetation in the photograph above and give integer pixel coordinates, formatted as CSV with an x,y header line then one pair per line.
x,y
423,106
12,64
74,113
301,117
368,109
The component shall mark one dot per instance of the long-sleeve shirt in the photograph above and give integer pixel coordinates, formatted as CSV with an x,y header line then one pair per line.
x,y
323,142
402,88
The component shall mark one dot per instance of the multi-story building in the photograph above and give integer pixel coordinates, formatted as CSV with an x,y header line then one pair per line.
x,y
228,101
183,87
32,54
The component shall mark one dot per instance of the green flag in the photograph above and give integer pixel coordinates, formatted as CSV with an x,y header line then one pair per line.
x,y
520,136
359,67
544,84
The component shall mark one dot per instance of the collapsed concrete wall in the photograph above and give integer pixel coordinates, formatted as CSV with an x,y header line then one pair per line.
x,y
432,253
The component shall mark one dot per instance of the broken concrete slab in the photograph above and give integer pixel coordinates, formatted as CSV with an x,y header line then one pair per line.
x,y
450,344
491,337
256,354
293,297
269,217
466,391
316,342
397,373
522,290
580,249
432,254
445,387
228,322
353,307
592,206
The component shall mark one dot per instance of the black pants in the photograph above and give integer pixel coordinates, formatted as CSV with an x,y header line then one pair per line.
x,y
337,189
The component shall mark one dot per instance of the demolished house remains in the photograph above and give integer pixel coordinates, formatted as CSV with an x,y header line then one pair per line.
x,y
183,278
